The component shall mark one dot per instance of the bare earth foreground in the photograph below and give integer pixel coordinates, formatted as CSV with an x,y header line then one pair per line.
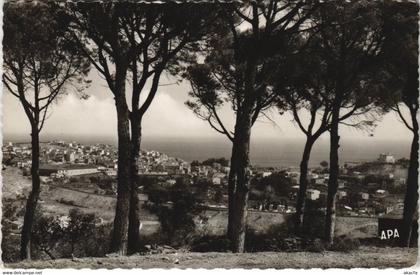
x,y
365,257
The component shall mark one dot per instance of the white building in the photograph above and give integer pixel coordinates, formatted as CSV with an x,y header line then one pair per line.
x,y
386,158
266,174
217,178
364,196
111,172
313,194
341,194
80,172
216,181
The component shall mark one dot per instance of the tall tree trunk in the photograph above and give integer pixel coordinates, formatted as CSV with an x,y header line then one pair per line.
x,y
240,211
134,219
411,195
244,121
303,184
120,231
31,203
231,192
334,171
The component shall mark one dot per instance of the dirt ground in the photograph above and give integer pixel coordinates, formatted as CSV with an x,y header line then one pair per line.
x,y
365,257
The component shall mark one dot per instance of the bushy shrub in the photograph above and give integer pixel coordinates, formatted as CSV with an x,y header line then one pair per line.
x,y
97,244
152,239
75,235
281,238
261,242
176,219
47,232
316,245
12,211
10,248
211,244
291,244
276,238
80,228
345,244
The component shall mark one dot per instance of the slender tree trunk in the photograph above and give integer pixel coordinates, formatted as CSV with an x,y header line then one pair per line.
x,y
231,192
134,220
411,195
31,203
240,211
244,115
303,185
120,232
334,171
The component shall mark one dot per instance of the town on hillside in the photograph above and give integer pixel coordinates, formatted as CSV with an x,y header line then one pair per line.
x,y
368,189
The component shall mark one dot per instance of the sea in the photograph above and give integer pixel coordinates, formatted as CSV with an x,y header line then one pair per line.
x,y
278,153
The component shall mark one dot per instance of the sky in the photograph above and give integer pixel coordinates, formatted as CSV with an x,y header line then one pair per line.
x,y
167,117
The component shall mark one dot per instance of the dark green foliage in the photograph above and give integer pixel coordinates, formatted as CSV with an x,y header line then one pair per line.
x,y
12,209
262,242
324,164
202,189
147,182
274,185
73,180
211,244
211,161
400,54
195,163
75,236
317,245
80,226
279,238
157,194
106,183
176,218
8,160
153,239
218,196
35,34
276,238
345,244
96,243
47,232
10,248
9,227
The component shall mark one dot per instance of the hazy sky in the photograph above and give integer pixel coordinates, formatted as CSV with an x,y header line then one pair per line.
x,y
167,117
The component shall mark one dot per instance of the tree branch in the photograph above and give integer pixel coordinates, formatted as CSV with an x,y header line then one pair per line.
x,y
404,120
298,121
219,121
